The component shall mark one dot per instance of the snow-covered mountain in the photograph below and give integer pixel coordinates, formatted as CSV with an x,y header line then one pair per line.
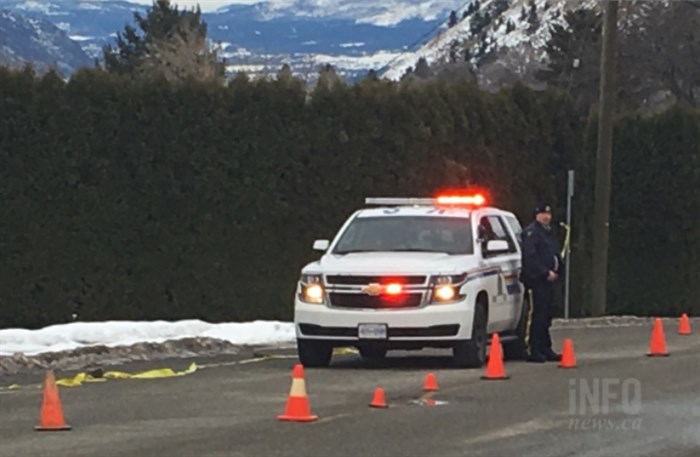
x,y
355,35
512,32
26,39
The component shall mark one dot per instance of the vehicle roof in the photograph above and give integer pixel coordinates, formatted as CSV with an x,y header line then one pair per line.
x,y
428,210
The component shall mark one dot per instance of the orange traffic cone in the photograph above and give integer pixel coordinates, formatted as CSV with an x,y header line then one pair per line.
x,y
51,409
298,409
430,384
568,359
657,346
378,401
495,369
684,325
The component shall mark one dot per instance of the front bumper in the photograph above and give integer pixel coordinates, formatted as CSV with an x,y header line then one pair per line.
x,y
434,323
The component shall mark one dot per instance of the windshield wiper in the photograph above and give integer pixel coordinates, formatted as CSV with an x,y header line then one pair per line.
x,y
417,250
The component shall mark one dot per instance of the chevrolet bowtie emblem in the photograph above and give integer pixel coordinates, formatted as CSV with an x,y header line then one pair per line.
x,y
372,289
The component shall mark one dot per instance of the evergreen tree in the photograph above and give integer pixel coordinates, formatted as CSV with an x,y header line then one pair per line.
x,y
510,26
453,19
454,51
573,53
657,53
523,13
422,69
480,22
532,17
372,75
328,78
499,6
407,75
477,23
481,50
285,73
169,42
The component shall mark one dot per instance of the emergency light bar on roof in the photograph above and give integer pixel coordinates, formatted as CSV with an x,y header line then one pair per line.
x,y
400,201
441,200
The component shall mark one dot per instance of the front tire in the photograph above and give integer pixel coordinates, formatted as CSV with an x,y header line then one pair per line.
x,y
472,353
314,354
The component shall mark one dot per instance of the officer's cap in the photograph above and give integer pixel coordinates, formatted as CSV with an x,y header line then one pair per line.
x,y
543,207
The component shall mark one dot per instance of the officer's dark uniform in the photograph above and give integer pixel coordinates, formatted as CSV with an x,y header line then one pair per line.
x,y
540,255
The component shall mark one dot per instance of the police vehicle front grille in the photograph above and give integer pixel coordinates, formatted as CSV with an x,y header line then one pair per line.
x,y
364,280
363,301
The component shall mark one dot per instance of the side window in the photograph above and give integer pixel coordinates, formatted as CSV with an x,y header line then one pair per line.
x,y
493,229
516,228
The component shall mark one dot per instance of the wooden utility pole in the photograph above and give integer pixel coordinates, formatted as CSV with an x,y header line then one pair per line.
x,y
604,160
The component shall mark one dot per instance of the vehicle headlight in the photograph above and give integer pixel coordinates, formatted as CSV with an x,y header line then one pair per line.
x,y
445,289
445,293
311,289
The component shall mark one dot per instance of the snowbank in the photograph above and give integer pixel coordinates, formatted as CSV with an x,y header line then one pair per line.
x,y
66,337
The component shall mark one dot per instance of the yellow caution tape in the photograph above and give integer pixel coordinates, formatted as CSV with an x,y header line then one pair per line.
x,y
78,380
567,240
81,378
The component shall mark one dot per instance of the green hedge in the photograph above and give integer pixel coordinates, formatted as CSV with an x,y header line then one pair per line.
x,y
654,256
124,199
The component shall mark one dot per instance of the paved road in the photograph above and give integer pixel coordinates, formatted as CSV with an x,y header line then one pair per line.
x,y
231,410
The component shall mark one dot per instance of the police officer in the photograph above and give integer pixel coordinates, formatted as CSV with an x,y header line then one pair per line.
x,y
541,268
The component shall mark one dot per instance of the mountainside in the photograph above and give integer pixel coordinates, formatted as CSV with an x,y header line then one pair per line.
x,y
504,39
30,40
495,42
354,35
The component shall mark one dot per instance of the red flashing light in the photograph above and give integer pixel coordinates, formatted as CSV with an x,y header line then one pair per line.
x,y
393,289
471,200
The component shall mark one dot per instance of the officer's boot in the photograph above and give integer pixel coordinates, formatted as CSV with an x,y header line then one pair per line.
x,y
552,356
534,355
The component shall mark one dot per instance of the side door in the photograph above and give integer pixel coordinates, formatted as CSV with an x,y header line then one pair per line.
x,y
516,288
503,271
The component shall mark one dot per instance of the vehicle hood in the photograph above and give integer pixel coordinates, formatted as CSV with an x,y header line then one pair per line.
x,y
392,263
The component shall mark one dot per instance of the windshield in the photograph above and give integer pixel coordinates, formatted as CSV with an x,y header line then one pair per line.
x,y
407,233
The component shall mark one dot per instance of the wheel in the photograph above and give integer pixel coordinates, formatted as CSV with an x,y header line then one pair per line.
x,y
517,348
314,353
372,352
472,353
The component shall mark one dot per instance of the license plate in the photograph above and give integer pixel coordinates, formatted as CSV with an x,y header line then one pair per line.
x,y
372,331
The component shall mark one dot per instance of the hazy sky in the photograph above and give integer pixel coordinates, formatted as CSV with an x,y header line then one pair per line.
x,y
207,5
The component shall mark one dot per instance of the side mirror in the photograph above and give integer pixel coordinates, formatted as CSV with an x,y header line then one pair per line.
x,y
496,246
321,245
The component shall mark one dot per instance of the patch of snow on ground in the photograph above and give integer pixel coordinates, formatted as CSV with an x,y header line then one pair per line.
x,y
75,335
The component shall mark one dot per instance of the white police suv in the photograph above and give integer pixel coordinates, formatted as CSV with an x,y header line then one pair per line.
x,y
413,273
